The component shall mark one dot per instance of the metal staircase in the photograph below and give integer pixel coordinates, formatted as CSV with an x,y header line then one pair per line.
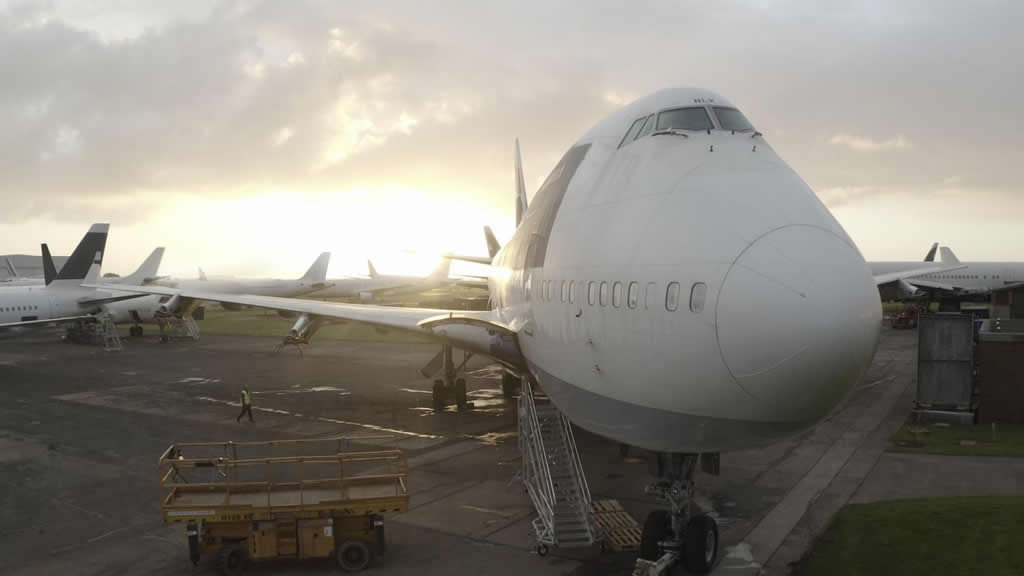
x,y
111,339
553,476
184,327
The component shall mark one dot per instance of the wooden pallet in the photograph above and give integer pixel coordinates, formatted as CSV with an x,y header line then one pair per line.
x,y
622,533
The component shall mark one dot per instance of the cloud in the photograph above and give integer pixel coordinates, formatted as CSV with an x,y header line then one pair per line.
x,y
898,142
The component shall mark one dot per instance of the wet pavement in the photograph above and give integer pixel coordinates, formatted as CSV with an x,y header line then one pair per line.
x,y
81,430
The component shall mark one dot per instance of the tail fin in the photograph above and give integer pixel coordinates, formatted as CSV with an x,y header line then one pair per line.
x,y
87,254
49,270
947,256
93,275
493,246
441,271
11,270
930,256
147,271
371,268
318,271
520,187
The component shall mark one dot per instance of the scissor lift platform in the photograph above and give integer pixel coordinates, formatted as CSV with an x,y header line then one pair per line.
x,y
290,498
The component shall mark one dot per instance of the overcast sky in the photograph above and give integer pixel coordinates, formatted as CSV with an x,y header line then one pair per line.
x,y
249,136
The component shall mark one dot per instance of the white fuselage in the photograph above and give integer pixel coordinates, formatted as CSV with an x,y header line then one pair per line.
x,y
974,277
259,287
28,303
753,313
365,288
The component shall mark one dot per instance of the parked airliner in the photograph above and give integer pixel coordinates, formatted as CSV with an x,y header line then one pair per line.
x,y
962,281
64,300
673,285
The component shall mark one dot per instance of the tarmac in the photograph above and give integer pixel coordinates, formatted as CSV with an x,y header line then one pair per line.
x,y
81,431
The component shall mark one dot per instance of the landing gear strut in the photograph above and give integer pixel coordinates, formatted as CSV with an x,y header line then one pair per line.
x,y
680,532
449,386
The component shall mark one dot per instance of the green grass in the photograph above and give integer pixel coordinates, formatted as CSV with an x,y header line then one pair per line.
x,y
254,322
979,535
1006,440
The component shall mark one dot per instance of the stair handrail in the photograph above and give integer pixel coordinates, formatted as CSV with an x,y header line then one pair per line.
x,y
577,464
544,493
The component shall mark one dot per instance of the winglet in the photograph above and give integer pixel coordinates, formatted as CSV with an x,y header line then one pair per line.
x,y
318,271
493,246
49,270
87,254
520,187
947,256
371,268
930,256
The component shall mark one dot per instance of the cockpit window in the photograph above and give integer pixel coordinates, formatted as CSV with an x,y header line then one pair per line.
x,y
732,119
633,131
648,127
684,119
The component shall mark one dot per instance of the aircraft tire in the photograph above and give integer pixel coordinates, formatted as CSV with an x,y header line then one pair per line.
x,y
460,393
700,544
438,395
657,527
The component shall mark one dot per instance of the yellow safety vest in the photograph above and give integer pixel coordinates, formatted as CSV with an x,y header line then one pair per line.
x,y
246,397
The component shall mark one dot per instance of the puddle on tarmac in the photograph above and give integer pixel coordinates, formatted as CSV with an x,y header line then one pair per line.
x,y
415,391
297,390
495,438
322,419
494,371
194,380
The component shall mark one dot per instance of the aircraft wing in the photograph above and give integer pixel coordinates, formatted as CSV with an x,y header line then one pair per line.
x,y
47,322
473,259
913,273
476,331
932,285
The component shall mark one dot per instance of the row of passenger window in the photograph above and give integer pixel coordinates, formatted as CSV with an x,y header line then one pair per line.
x,y
18,308
604,293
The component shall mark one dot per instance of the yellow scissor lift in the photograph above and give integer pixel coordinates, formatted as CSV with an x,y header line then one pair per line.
x,y
283,499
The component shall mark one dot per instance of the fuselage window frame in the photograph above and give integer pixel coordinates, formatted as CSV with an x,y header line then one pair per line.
x,y
604,293
592,293
634,129
617,294
632,295
672,296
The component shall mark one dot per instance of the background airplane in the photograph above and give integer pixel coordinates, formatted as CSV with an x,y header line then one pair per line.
x,y
65,299
956,281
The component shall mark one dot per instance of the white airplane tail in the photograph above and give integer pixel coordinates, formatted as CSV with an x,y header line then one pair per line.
x,y
318,271
947,256
147,271
84,263
493,246
371,268
520,187
441,271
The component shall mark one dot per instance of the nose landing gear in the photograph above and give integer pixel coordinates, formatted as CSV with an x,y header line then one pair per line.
x,y
680,532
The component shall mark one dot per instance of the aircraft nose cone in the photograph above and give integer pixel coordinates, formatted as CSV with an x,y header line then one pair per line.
x,y
797,319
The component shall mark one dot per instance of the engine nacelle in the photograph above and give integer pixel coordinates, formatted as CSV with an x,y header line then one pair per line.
x,y
906,290
300,327
171,307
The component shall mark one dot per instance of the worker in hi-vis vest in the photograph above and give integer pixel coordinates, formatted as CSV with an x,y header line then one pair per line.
x,y
246,404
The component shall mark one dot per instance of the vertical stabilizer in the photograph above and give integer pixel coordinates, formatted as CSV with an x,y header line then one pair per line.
x,y
146,273
49,270
520,187
371,268
442,269
947,256
930,256
87,254
493,246
93,275
317,273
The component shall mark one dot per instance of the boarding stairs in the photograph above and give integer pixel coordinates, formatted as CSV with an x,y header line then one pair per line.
x,y
111,339
184,327
553,475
